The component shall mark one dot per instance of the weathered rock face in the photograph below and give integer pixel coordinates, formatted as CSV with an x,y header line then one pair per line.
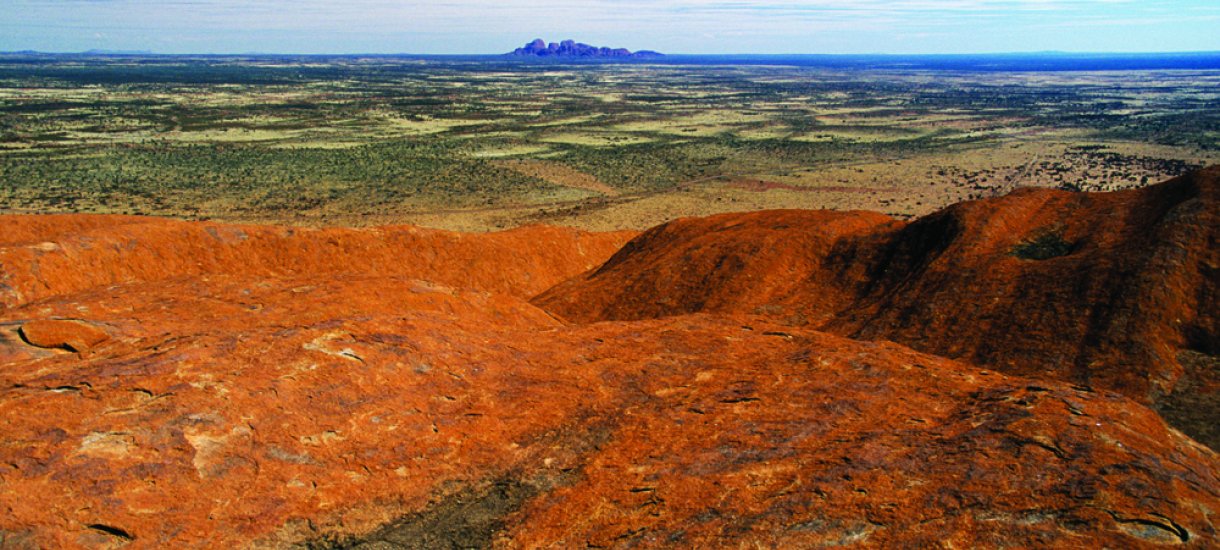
x,y
67,335
271,388
229,411
1104,290
771,262
43,256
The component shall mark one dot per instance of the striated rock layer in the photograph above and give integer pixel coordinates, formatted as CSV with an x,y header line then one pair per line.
x,y
267,387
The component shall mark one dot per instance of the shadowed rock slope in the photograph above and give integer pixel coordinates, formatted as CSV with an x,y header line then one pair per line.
x,y
393,388
1112,290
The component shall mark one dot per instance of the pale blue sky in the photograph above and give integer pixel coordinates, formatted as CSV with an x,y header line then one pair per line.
x,y
680,26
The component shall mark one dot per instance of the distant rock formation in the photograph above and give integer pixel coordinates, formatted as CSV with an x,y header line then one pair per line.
x,y
117,52
572,48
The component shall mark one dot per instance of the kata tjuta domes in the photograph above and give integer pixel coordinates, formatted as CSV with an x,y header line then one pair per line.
x,y
572,48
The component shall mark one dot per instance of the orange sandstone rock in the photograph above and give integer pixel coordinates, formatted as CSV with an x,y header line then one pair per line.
x,y
271,412
1106,290
65,334
45,256
272,388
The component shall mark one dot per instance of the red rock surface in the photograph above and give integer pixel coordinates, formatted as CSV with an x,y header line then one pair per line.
x,y
251,394
64,334
233,411
1137,286
43,256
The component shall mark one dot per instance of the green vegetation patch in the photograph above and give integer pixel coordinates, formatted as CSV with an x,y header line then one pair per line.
x,y
277,135
1044,247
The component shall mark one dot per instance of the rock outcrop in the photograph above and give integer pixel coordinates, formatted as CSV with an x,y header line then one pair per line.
x,y
574,49
395,387
1104,290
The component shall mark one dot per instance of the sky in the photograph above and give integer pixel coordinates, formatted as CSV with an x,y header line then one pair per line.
x,y
678,26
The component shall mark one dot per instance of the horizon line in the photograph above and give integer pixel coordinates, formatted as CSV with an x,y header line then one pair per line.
x,y
120,52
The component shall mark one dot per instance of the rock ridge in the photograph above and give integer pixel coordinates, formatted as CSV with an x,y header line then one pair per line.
x,y
1096,289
